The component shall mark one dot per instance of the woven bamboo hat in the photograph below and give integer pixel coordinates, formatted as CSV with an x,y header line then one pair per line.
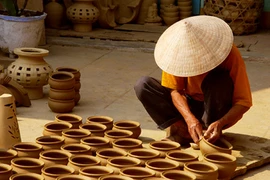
x,y
193,46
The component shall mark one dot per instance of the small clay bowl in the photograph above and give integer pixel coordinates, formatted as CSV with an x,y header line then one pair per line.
x,y
54,156
95,171
27,149
129,125
7,155
96,143
182,157
55,128
127,144
50,142
106,120
26,176
178,174
164,146
61,106
137,172
73,119
117,134
144,154
72,70
54,171
62,94
61,80
107,153
202,170
77,148
80,161
221,145
27,165
160,165
75,135
96,129
118,163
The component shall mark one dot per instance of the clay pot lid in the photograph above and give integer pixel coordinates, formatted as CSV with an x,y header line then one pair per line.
x,y
32,52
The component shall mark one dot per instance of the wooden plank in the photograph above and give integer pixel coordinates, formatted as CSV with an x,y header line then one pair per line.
x,y
142,28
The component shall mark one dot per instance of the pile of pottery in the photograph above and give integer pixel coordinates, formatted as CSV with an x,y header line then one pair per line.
x,y
102,148
185,8
169,12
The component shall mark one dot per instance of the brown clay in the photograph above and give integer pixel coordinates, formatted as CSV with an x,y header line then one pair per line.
x,y
160,165
94,172
221,145
96,129
54,171
182,157
55,128
75,135
117,134
118,163
27,149
144,154
73,119
133,126
178,174
80,161
96,143
106,120
55,156
61,106
24,176
164,146
27,165
5,171
137,172
127,144
107,153
76,149
61,80
50,142
7,155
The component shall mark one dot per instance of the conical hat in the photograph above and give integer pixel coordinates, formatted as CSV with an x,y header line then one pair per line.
x,y
193,46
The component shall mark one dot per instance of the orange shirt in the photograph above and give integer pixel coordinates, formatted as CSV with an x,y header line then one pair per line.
x,y
233,63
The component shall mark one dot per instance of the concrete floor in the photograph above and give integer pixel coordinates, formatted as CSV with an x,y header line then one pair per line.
x,y
108,76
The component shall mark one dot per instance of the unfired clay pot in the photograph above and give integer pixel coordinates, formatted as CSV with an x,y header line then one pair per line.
x,y
164,146
133,126
75,135
106,120
27,165
80,161
137,172
73,119
5,171
94,172
221,145
76,149
73,177
96,129
24,176
61,80
182,157
61,106
114,177
160,165
54,156
127,144
96,143
178,174
107,153
50,142
27,149
74,71
7,155
54,171
55,128
144,154
117,134
118,163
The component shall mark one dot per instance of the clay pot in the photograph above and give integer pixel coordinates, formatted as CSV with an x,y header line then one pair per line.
x,y
27,149
54,171
27,165
164,146
76,149
144,154
28,176
126,144
106,120
202,170
160,165
72,70
184,3
94,172
182,157
96,143
178,174
114,177
65,94
170,20
75,135
117,134
61,106
50,142
55,156
117,163
96,129
80,161
133,126
73,177
7,155
61,80
137,172
73,119
171,14
107,153
5,171
226,164
55,14
221,145
55,128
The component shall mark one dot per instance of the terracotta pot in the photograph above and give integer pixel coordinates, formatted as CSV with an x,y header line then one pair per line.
x,y
164,146
221,145
226,164
50,142
75,135
178,174
182,157
61,80
27,165
5,171
96,129
96,143
73,119
27,149
137,172
55,128
61,106
72,70
76,149
107,153
80,161
54,171
106,120
160,165
65,94
73,177
117,163
55,14
55,156
7,155
117,134
114,177
144,154
94,172
24,176
133,126
202,170
127,144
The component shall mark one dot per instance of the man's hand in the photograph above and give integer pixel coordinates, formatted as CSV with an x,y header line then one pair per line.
x,y
213,132
195,130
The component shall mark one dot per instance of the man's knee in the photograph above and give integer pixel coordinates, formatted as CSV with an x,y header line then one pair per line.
x,y
141,85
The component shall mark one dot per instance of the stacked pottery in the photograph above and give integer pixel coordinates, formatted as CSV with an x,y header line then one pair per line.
x,y
185,8
62,92
170,14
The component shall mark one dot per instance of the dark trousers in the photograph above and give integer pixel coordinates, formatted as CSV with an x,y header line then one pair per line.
x,y
217,88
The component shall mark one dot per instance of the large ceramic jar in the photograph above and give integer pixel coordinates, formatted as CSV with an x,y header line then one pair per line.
x,y
82,14
31,70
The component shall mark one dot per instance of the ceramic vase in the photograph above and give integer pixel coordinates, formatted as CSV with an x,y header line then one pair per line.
x,y
73,177
161,165
106,120
74,119
50,142
118,163
182,157
178,174
7,155
144,154
115,177
137,172
221,145
8,122
96,129
55,128
76,149
164,146
5,171
94,172
31,70
82,14
133,126
27,165
127,144
55,14
107,153
96,143
27,149
80,161
24,176
75,135
117,134
54,156
54,171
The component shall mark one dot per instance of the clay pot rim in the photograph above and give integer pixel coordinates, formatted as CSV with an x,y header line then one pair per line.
x,y
38,161
68,74
195,156
214,168
68,69
59,139
139,142
155,153
6,166
151,172
63,177
148,164
87,133
105,141
41,154
124,153
69,125
185,173
152,145
76,117
31,52
102,126
37,146
128,133
115,176
230,157
107,119
43,170
87,148
97,161
224,141
106,169
27,175
131,159
135,123
13,153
